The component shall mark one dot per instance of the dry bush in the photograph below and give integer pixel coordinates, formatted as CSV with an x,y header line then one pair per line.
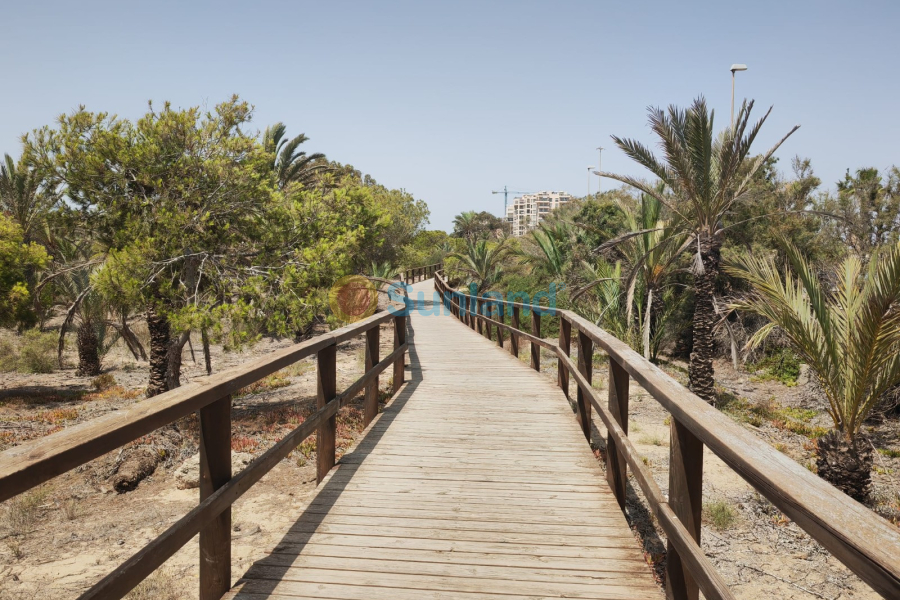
x,y
103,382
33,352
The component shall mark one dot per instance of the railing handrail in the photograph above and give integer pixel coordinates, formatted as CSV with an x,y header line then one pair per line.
x,y
33,463
424,272
863,541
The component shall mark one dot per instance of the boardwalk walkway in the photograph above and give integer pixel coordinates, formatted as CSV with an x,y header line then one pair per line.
x,y
476,483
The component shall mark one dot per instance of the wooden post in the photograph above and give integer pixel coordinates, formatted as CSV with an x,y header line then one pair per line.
x,y
399,340
479,306
472,320
535,331
215,471
326,375
513,338
616,468
501,308
586,368
486,311
686,500
370,406
565,339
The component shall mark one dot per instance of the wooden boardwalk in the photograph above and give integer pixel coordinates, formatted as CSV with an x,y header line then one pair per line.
x,y
475,483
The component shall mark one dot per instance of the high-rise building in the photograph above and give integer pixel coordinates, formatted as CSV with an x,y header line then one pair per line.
x,y
526,212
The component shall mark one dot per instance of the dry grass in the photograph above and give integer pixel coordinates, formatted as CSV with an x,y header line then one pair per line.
x,y
71,509
163,584
652,439
266,384
23,511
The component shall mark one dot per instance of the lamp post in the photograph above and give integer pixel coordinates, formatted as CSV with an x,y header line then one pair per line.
x,y
589,180
599,169
734,68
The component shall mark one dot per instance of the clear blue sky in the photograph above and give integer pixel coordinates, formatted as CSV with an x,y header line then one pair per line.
x,y
453,99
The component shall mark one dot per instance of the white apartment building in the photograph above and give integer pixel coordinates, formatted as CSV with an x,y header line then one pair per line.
x,y
525,212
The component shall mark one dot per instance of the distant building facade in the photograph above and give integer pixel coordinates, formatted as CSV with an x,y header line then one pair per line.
x,y
526,212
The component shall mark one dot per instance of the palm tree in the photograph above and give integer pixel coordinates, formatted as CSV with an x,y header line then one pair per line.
x,y
551,249
289,164
482,263
465,224
22,199
606,310
383,270
707,175
651,246
850,338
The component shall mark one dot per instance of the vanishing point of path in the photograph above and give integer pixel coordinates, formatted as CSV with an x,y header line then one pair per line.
x,y
475,483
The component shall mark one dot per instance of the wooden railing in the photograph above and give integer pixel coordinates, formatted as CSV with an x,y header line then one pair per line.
x,y
26,466
864,542
420,273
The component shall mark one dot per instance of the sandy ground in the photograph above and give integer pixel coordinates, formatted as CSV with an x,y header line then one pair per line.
x,y
63,537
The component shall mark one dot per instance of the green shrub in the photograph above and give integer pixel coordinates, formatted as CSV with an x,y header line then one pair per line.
x,y
37,352
781,365
719,514
8,356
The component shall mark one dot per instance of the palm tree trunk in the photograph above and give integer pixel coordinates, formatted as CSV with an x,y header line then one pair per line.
x,y
160,340
700,370
844,464
88,351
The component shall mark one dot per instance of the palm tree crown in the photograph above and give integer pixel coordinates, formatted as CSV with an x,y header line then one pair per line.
x,y
291,165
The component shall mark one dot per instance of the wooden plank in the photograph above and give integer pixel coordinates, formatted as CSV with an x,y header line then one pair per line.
x,y
215,472
451,496
326,378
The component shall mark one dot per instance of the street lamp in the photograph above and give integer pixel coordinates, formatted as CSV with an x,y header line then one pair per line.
x,y
599,156
589,179
734,68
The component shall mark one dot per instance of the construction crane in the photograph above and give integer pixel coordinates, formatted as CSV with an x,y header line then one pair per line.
x,y
506,194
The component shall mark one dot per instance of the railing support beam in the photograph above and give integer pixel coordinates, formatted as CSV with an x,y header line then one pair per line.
x,y
686,500
586,368
399,340
370,405
565,337
326,375
513,338
535,331
215,471
616,468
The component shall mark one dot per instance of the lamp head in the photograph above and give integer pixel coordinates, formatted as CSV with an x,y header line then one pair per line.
x,y
738,67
